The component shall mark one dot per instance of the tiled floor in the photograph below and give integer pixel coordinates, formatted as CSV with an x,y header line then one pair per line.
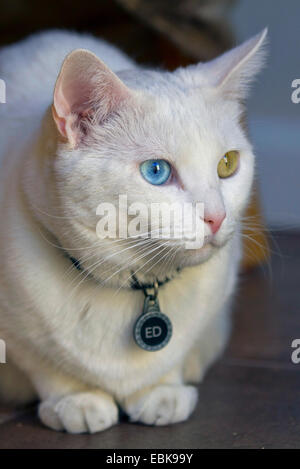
x,y
250,399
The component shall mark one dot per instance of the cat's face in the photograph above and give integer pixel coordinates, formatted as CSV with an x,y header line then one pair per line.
x,y
152,138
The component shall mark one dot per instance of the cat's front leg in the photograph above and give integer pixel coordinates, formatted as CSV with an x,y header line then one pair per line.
x,y
170,401
83,412
69,405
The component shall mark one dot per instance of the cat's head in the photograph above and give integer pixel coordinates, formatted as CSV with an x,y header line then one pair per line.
x,y
154,137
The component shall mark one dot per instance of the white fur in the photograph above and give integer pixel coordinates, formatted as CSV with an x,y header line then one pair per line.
x,y
73,339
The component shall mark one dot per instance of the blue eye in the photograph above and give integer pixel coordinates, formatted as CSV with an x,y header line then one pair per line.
x,y
155,171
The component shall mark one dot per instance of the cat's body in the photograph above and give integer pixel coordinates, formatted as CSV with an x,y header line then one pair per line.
x,y
73,339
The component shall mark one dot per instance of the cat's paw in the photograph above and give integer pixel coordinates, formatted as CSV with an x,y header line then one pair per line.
x,y
79,413
163,405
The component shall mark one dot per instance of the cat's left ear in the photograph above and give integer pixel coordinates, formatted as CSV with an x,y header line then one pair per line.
x,y
232,72
85,89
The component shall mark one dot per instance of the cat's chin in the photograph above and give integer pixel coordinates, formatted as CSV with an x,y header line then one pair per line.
x,y
191,257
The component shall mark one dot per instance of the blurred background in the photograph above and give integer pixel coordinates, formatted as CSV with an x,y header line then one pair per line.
x,y
274,118
170,33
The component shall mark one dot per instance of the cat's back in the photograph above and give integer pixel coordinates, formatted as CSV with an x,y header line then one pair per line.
x,y
30,67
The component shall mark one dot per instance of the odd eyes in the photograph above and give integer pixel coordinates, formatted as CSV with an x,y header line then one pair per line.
x,y
156,172
228,164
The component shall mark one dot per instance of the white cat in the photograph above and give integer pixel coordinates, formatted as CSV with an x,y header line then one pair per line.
x,y
68,330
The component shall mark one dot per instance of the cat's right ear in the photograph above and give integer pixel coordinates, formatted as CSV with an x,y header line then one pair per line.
x,y
85,88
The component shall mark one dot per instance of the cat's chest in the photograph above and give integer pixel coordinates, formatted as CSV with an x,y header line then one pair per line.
x,y
102,336
114,322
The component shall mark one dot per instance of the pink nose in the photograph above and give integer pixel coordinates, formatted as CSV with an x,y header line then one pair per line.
x,y
214,221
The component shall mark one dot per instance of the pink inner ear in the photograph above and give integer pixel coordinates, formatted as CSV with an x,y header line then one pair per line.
x,y
84,84
75,95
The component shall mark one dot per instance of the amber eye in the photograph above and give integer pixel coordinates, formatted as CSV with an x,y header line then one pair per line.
x,y
228,164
